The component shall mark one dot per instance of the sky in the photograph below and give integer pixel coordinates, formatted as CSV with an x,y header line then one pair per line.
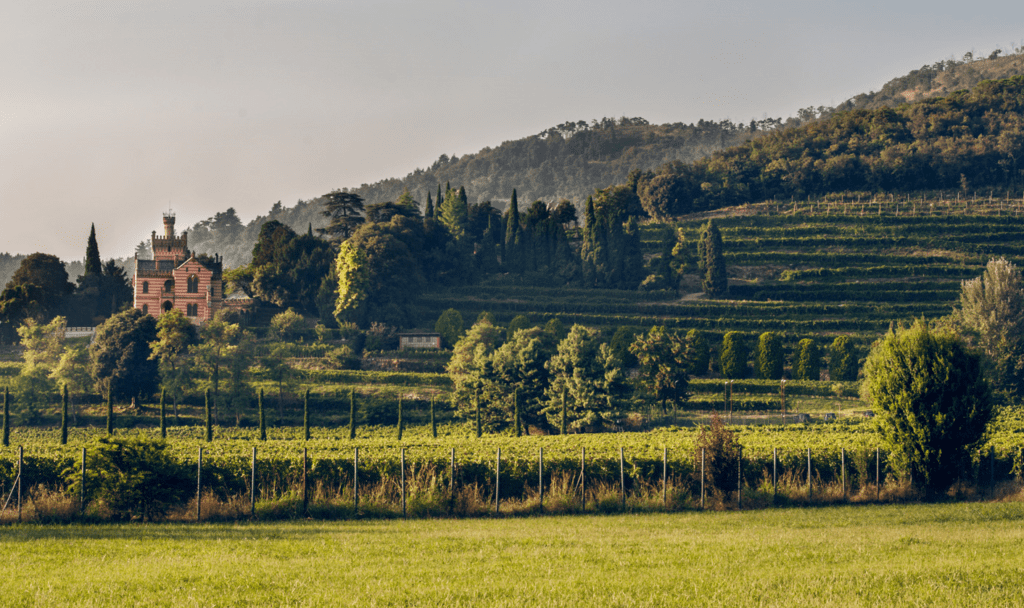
x,y
112,112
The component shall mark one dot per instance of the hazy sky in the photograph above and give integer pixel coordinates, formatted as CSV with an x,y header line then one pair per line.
x,y
112,110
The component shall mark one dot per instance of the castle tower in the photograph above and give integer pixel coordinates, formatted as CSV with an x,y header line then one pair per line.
x,y
169,225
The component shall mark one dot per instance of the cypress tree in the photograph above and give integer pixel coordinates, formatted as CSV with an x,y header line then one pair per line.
x,y
734,355
352,414
808,363
565,414
769,356
437,206
400,421
93,266
209,418
263,416
429,211
433,421
479,428
7,418
110,407
309,230
305,416
715,282
163,414
64,416
513,235
515,404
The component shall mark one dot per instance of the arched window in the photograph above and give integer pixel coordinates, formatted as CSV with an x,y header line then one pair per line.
x,y
145,287
145,309
168,285
193,284
167,306
192,310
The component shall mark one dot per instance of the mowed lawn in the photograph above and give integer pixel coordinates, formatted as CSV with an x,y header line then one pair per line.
x,y
967,554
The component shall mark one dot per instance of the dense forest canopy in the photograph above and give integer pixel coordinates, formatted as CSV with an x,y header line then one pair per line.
x,y
969,139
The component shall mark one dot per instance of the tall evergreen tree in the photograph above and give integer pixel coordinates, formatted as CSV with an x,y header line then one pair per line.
x,y
263,417
93,266
455,213
714,282
437,208
64,416
429,211
513,235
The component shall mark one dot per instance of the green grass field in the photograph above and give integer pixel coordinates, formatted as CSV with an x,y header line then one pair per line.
x,y
934,555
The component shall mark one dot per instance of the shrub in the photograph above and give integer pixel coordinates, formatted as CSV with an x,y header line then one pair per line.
x,y
721,456
698,352
133,476
931,403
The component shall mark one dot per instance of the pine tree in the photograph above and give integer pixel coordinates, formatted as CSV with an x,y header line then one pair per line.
x,y
352,414
455,213
7,418
305,416
209,418
263,417
163,414
64,416
93,265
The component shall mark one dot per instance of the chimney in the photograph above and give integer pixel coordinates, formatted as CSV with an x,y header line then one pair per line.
x,y
169,225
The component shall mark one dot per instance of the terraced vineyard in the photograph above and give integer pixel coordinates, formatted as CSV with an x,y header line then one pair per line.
x,y
818,269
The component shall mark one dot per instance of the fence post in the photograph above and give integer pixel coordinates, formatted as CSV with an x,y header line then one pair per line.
x,y
878,470
664,475
809,473
199,486
622,477
739,479
21,478
992,469
540,477
583,477
355,480
83,482
402,464
702,478
305,499
497,483
252,487
842,465
775,474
